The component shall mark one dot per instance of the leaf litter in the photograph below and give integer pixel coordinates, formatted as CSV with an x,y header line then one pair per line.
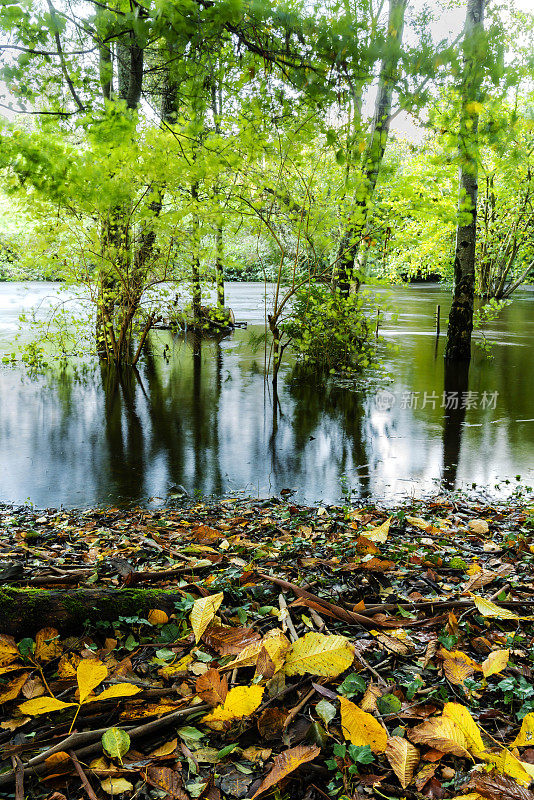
x,y
305,653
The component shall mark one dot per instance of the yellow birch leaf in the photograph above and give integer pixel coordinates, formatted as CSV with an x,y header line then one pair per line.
x,y
526,734
12,689
379,534
89,674
202,613
67,665
319,654
495,662
119,690
403,757
241,701
170,670
441,733
287,762
47,646
362,728
489,609
461,716
165,749
116,786
43,705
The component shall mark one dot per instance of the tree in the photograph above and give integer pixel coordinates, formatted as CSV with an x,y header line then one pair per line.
x,y
461,314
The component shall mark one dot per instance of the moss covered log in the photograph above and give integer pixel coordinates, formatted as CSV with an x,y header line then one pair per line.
x,y
25,611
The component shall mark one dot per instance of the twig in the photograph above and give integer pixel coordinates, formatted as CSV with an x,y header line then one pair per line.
x,y
83,777
286,620
19,777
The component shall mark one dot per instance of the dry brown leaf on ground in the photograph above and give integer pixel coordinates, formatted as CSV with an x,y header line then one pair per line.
x,y
285,763
167,780
211,687
500,787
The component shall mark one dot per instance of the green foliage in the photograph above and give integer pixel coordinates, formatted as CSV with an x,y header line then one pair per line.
x,y
330,332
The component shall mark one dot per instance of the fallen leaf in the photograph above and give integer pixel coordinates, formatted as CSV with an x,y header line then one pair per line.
x,y
318,654
495,662
167,780
489,609
12,689
526,734
89,674
361,728
285,763
241,701
47,646
443,734
461,716
157,617
202,613
403,757
211,687
43,705
379,534
116,785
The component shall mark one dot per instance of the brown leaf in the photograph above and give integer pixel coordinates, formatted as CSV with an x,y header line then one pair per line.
x,y
47,646
229,641
424,775
285,763
272,722
212,688
168,780
499,787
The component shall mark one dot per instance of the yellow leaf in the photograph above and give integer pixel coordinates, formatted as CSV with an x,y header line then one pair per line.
x,y
457,666
204,609
287,762
67,665
495,662
8,650
403,757
362,728
489,609
508,764
89,674
319,654
170,670
12,689
157,617
241,701
116,785
275,643
43,705
47,646
441,733
165,749
461,716
379,534
119,690
417,522
526,734
473,569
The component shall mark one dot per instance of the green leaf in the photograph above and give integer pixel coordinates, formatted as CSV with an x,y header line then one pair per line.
x,y
326,711
388,704
116,743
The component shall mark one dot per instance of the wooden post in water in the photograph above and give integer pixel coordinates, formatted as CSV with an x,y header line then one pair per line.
x,y
438,309
377,322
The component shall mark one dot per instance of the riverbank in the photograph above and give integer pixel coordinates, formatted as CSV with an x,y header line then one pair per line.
x,y
250,644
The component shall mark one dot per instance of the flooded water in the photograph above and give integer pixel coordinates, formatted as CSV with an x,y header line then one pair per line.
x,y
204,419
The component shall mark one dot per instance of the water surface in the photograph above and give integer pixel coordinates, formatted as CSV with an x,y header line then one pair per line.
x,y
204,417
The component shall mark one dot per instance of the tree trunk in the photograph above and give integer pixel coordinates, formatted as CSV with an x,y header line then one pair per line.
x,y
219,266
461,314
28,610
351,239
